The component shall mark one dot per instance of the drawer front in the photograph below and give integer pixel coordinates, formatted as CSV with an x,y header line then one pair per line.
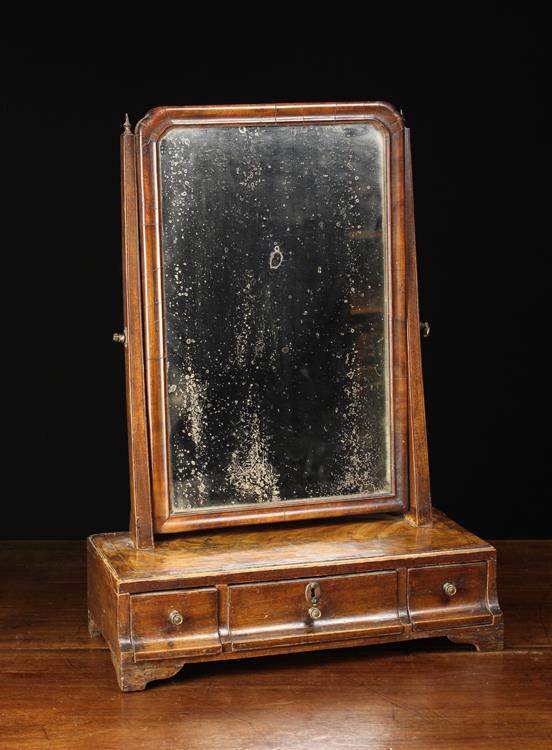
x,y
446,595
313,609
174,623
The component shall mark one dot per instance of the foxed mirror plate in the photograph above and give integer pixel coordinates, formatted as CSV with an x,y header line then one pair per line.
x,y
276,302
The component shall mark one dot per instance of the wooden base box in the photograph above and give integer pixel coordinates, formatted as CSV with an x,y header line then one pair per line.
x,y
238,592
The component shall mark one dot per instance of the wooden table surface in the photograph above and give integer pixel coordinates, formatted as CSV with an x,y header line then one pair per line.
x,y
58,687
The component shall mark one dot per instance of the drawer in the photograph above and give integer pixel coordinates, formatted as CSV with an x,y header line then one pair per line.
x,y
174,623
448,595
283,613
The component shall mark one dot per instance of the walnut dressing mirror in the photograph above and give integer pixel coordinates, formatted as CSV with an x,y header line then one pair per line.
x,y
273,248
278,453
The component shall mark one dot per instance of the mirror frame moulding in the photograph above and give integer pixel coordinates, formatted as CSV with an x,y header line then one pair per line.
x,y
141,181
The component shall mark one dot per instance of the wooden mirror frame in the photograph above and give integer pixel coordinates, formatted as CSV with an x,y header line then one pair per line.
x,y
144,332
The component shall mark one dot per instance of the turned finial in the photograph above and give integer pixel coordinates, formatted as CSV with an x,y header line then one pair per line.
x,y
127,126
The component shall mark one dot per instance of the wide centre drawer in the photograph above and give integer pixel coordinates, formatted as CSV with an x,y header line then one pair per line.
x,y
263,615
174,623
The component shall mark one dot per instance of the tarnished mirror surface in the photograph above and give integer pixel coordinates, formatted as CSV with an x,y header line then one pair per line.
x,y
276,313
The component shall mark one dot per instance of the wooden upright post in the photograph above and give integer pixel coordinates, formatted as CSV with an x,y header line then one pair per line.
x,y
419,513
141,529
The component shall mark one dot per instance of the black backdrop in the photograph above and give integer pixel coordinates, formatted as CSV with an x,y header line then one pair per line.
x,y
477,130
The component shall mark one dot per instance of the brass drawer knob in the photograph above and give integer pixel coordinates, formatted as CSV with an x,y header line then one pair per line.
x,y
315,613
119,338
175,618
449,588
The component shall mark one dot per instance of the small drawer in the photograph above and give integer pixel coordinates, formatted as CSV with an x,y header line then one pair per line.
x,y
448,596
283,613
174,623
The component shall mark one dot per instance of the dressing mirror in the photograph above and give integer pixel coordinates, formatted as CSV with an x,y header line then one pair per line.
x,y
278,453
277,338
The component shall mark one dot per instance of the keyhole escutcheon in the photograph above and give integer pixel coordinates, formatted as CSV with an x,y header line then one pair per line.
x,y
312,592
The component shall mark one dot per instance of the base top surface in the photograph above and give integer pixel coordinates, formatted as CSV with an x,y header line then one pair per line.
x,y
197,556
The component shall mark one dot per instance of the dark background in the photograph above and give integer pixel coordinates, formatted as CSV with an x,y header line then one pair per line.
x,y
478,129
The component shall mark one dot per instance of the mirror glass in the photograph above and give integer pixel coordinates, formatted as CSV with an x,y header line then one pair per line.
x,y
276,313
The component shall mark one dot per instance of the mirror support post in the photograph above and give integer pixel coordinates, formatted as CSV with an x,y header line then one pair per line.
x,y
419,513
141,529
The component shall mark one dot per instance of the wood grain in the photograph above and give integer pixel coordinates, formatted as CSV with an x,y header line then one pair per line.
x,y
419,511
262,574
267,614
453,700
43,596
430,606
273,552
141,526
153,633
57,688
